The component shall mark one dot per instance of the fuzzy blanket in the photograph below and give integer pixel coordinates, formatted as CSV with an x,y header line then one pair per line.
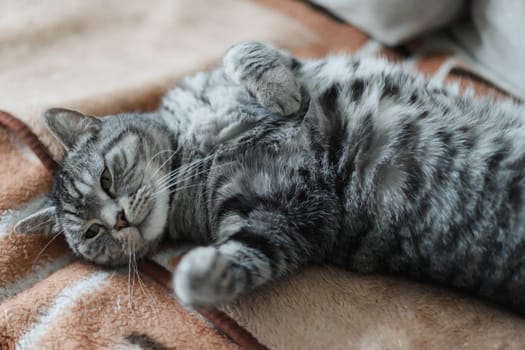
x,y
110,56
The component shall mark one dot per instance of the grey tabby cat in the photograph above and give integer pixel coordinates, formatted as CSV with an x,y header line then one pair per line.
x,y
272,162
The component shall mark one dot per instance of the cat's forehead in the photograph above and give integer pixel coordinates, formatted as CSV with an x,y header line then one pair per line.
x,y
76,195
76,178
106,148
83,162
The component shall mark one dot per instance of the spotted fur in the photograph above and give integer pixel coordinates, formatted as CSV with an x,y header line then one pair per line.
x,y
271,162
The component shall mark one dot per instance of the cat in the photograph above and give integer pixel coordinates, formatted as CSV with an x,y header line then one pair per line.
x,y
270,162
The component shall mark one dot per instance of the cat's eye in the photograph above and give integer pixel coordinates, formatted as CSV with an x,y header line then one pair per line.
x,y
106,181
93,231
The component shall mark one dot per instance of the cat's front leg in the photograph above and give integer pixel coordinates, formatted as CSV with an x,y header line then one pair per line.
x,y
213,275
267,73
250,257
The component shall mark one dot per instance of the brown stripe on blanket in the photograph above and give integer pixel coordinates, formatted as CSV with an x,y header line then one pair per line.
x,y
432,63
467,79
143,341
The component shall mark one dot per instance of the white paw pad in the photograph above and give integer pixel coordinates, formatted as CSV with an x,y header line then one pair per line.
x,y
203,278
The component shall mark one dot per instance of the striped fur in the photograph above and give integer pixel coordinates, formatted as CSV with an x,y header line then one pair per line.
x,y
277,162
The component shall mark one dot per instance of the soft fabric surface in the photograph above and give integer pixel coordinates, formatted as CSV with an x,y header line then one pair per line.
x,y
486,35
493,41
396,21
111,56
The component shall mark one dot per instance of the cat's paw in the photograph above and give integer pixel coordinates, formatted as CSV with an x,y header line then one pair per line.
x,y
278,93
203,278
261,69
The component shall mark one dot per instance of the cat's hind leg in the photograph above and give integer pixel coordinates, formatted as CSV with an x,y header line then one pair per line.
x,y
267,73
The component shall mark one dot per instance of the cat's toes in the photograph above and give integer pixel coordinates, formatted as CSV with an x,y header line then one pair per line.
x,y
279,94
203,278
260,69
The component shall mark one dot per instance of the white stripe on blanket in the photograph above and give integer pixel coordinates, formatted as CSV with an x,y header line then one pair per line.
x,y
65,299
38,273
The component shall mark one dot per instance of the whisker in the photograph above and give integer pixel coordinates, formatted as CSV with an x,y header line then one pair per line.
x,y
184,188
151,300
130,289
40,224
154,156
183,168
141,282
169,182
170,176
47,245
166,161
185,179
186,167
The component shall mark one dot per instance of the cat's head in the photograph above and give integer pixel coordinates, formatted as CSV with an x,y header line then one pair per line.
x,y
110,198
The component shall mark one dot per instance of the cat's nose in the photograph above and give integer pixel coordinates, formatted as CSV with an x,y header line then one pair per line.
x,y
122,221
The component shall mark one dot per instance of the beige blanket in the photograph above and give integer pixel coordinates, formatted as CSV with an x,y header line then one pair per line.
x,y
110,56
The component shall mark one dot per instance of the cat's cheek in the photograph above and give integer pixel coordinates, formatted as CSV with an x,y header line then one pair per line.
x,y
153,226
92,254
101,260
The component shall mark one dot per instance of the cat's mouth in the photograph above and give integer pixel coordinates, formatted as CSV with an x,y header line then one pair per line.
x,y
138,220
129,239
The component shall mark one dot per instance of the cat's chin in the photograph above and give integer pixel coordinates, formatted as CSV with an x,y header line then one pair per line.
x,y
124,259
150,234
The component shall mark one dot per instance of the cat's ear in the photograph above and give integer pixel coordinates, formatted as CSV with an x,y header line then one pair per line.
x,y
42,221
68,125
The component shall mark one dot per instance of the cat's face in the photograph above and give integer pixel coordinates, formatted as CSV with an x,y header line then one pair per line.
x,y
110,197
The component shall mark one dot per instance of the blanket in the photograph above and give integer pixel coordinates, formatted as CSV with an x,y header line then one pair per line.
x,y
111,56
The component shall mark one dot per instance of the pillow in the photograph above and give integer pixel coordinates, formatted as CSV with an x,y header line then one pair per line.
x,y
395,21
